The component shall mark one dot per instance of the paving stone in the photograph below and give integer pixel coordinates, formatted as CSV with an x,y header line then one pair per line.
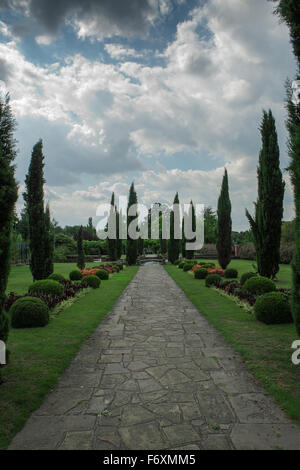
x,y
215,442
181,434
266,437
143,436
135,414
78,440
256,408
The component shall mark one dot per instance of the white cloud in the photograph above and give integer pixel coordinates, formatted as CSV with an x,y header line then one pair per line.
x,y
44,40
206,100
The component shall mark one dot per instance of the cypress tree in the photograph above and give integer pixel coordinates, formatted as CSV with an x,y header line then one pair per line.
x,y
49,243
224,224
289,11
174,245
183,240
80,250
8,197
34,198
118,240
189,254
266,226
131,249
112,242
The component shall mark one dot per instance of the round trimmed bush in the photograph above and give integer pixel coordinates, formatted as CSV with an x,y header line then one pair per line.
x,y
28,312
181,264
213,280
246,276
102,274
258,285
75,275
200,273
273,308
56,277
187,266
47,287
231,273
91,281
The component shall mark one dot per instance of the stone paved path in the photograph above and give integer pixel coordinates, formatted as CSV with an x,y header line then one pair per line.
x,y
156,375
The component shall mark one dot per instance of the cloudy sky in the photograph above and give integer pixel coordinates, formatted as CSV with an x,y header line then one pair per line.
x,y
165,93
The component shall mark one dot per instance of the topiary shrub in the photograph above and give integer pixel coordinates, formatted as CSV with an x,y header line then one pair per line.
x,y
258,285
102,274
246,276
176,262
187,266
231,273
181,264
91,281
200,273
28,312
47,287
56,277
213,280
75,275
273,308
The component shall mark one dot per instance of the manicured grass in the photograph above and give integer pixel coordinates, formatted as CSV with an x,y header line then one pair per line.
x,y
38,356
265,348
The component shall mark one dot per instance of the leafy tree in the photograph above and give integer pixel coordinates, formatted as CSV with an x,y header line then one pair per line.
x,y
49,243
8,197
80,250
288,232
224,224
174,243
22,224
210,225
34,198
266,225
91,230
289,11
131,251
183,240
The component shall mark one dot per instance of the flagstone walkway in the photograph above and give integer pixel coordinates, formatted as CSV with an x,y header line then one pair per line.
x,y
156,375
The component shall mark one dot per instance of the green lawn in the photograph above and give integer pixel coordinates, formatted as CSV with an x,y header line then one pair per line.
x,y
38,356
265,348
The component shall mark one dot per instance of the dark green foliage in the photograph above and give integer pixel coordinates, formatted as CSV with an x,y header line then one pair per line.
x,y
213,280
289,11
56,277
247,276
34,199
46,286
258,285
181,264
266,225
102,274
112,242
80,250
49,243
224,224
189,254
210,225
176,262
187,266
91,281
29,312
183,240
273,308
174,243
231,273
75,275
131,249
200,273
8,197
